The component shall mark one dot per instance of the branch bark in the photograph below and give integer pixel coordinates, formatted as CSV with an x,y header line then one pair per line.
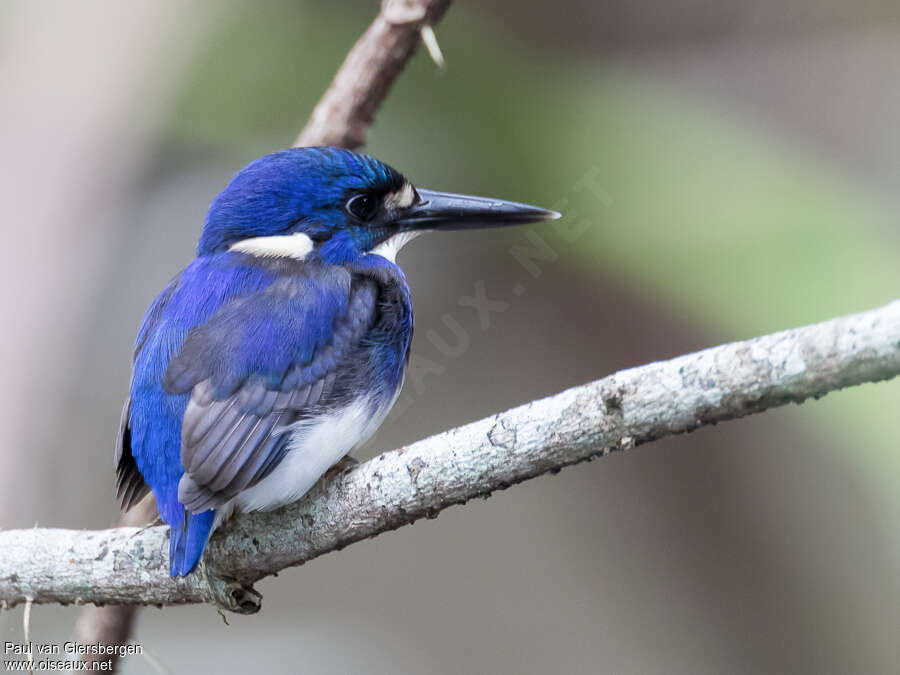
x,y
629,408
112,625
346,110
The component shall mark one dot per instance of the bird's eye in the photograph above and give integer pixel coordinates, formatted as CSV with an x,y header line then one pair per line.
x,y
363,206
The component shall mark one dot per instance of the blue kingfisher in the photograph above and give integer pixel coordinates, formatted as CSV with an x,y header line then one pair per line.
x,y
283,345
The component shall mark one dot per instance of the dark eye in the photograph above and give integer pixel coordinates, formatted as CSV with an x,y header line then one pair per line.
x,y
363,206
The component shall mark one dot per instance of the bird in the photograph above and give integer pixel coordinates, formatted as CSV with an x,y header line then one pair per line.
x,y
283,345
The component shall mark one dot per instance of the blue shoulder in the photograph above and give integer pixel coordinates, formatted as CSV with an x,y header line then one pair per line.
x,y
153,316
155,417
263,334
189,300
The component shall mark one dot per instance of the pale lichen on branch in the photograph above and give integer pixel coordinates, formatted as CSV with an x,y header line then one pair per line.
x,y
628,408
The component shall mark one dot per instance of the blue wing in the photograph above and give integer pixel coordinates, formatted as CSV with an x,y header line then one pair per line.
x,y
229,355
130,484
258,366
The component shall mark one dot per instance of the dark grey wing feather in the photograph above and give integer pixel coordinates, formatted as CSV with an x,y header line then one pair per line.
x,y
130,485
241,452
231,443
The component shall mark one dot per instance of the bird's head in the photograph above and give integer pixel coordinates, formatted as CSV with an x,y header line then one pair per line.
x,y
337,205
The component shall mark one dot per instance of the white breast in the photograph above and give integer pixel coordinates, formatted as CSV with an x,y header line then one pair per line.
x,y
315,446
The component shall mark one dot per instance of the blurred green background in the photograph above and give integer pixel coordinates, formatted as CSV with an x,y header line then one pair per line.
x,y
743,167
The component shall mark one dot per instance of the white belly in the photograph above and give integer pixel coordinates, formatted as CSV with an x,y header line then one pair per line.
x,y
315,446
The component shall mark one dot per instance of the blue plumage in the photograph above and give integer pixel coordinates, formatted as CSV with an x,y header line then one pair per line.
x,y
283,345
301,188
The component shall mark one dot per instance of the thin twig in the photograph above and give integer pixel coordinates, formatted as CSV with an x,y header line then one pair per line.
x,y
621,411
26,628
346,110
341,118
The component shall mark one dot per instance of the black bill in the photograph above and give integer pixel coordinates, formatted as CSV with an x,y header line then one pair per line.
x,y
445,211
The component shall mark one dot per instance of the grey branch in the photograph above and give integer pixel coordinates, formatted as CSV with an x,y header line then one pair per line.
x,y
346,110
631,407
112,625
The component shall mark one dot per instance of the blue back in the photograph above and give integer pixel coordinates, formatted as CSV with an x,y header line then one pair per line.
x,y
155,422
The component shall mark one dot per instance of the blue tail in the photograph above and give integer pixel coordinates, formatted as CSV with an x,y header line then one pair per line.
x,y
187,540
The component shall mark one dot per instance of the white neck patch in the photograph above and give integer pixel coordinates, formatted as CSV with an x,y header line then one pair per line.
x,y
390,247
297,246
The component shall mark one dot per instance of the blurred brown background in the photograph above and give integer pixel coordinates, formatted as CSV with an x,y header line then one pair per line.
x,y
748,161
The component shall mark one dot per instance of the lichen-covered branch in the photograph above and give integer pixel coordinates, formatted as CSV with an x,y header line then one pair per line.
x,y
112,624
631,407
346,110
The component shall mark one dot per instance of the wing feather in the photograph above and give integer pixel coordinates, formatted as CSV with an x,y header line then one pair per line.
x,y
130,485
234,431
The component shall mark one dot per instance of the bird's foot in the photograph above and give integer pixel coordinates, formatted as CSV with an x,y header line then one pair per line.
x,y
230,594
345,463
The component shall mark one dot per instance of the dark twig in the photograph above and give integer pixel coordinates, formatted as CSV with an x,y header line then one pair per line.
x,y
346,110
341,118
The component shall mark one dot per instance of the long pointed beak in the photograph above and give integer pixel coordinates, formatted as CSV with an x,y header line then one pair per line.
x,y
445,211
